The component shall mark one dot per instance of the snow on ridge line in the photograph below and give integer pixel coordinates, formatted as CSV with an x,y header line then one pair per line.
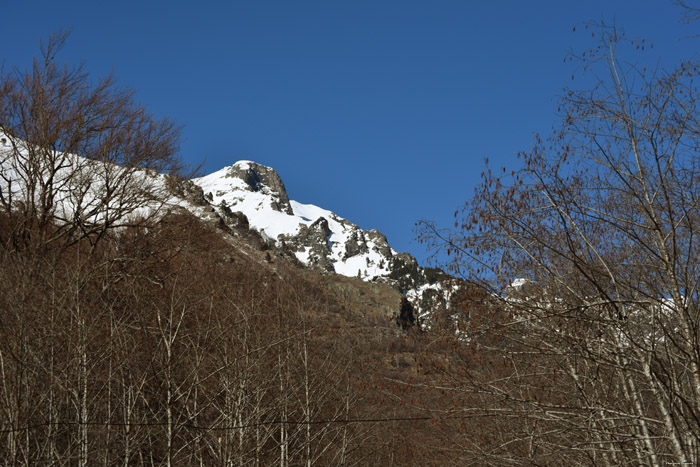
x,y
258,206
80,186
262,207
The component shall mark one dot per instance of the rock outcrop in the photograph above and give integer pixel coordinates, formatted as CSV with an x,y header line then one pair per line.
x,y
317,238
259,178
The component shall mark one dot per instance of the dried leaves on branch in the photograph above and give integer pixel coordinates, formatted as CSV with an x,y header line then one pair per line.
x,y
76,153
590,252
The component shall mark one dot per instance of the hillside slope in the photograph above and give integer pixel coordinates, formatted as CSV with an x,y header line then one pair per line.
x,y
316,237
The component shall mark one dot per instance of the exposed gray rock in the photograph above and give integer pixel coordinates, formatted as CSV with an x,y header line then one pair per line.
x,y
209,214
321,227
261,178
186,189
382,245
406,271
355,245
235,220
314,238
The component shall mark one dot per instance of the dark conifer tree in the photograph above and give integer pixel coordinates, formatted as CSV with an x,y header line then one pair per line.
x,y
406,318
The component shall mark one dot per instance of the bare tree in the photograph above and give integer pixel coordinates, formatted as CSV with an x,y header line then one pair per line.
x,y
148,340
588,253
77,158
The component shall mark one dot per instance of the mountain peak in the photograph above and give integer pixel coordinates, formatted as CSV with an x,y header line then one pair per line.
x,y
316,237
247,176
259,177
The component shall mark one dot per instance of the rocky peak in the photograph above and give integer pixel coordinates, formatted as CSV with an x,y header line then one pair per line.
x,y
306,233
259,178
313,242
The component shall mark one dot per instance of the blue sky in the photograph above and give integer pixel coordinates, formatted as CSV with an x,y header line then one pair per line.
x,y
381,111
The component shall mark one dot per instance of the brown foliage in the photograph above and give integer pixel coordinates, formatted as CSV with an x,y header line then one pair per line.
x,y
155,347
76,155
591,357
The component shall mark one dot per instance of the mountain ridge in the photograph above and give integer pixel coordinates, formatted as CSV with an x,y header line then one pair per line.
x,y
243,197
318,238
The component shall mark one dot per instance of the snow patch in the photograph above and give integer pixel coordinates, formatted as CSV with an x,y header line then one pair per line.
x,y
258,206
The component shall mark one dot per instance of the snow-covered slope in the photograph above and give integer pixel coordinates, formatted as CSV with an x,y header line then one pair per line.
x,y
87,194
318,237
72,190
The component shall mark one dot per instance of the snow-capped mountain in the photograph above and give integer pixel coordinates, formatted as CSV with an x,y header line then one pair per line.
x,y
86,194
317,237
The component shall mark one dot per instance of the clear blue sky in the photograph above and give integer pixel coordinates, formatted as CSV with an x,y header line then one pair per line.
x,y
381,111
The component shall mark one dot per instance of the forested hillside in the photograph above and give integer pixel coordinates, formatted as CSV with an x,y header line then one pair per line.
x,y
168,345
140,324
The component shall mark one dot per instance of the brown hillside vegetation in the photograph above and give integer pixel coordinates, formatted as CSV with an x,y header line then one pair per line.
x,y
165,345
168,345
166,341
589,253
